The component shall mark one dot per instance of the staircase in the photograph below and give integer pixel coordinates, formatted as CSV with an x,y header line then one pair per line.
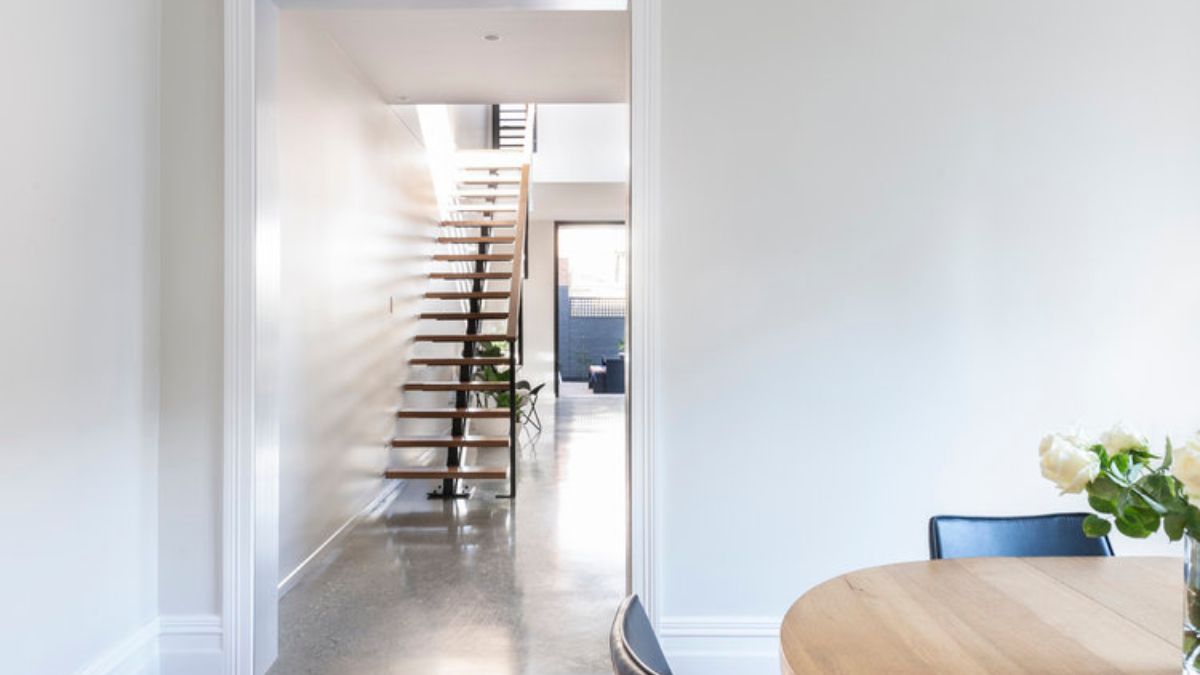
x,y
481,250
512,126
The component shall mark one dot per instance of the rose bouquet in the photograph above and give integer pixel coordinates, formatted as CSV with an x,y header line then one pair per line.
x,y
1137,492
1123,483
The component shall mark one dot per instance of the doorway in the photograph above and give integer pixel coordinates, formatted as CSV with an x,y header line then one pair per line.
x,y
253,452
591,274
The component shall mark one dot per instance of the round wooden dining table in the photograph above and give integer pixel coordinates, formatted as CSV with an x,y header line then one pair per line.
x,y
992,615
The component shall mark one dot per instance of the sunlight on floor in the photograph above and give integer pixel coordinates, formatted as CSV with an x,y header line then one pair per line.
x,y
482,585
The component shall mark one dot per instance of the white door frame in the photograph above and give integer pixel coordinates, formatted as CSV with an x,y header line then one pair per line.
x,y
250,454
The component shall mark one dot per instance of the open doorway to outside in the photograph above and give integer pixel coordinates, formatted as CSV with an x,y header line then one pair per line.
x,y
591,294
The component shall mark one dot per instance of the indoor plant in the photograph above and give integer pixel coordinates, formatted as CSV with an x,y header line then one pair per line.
x,y
1138,492
500,399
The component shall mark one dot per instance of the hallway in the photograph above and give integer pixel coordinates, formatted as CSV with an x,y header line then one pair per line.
x,y
483,585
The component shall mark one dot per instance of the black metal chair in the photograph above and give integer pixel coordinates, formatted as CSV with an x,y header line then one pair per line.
x,y
634,647
531,414
1054,534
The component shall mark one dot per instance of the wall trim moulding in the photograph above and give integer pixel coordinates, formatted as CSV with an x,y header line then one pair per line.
x,y
137,654
190,644
390,491
719,626
189,633
645,87
238,455
721,645
179,644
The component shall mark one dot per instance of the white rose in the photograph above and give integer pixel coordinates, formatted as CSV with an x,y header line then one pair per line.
x,y
1121,438
1185,465
1068,464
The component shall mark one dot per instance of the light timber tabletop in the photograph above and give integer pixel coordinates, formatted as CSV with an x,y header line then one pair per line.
x,y
992,615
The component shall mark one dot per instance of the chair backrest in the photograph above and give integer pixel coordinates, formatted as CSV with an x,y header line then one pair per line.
x,y
1054,534
634,647
615,378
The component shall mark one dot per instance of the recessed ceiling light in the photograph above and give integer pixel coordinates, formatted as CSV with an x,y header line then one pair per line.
x,y
491,37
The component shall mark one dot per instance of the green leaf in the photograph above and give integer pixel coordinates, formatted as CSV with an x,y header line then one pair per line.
x,y
1168,456
1158,491
1125,502
1104,488
1148,502
1102,505
1159,487
1140,455
1095,526
1146,519
1193,520
1131,529
1174,524
1121,463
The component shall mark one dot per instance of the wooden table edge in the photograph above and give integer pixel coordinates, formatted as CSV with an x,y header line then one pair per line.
x,y
785,665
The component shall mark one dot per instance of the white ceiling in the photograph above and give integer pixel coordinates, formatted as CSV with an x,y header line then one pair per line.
x,y
440,56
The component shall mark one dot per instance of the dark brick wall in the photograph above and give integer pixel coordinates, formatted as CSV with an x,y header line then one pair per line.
x,y
583,341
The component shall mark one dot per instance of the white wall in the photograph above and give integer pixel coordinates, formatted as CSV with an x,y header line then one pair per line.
x,y
192,269
472,126
581,143
357,220
78,342
927,233
189,500
552,202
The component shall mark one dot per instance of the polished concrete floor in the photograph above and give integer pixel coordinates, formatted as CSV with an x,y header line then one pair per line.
x,y
481,586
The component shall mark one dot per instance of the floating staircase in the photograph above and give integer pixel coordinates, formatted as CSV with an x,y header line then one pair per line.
x,y
482,249
512,127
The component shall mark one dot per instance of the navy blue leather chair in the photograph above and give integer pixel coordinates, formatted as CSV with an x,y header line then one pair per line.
x,y
1055,534
634,647
614,371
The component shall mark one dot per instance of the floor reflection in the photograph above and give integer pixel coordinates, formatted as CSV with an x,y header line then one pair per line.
x,y
482,585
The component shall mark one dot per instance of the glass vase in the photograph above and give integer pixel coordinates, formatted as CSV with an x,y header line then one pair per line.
x,y
1191,605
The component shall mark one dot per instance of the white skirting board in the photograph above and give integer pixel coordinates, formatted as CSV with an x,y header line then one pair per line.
x,y
391,488
720,645
190,644
168,645
137,654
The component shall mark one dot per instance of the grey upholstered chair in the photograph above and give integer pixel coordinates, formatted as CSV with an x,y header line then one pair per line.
x,y
634,647
1054,534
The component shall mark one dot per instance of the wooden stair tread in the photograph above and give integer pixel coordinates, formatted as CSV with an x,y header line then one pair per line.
x,y
476,240
473,257
464,316
458,338
451,413
459,361
470,275
478,222
452,472
483,208
488,194
466,295
489,180
450,442
456,386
